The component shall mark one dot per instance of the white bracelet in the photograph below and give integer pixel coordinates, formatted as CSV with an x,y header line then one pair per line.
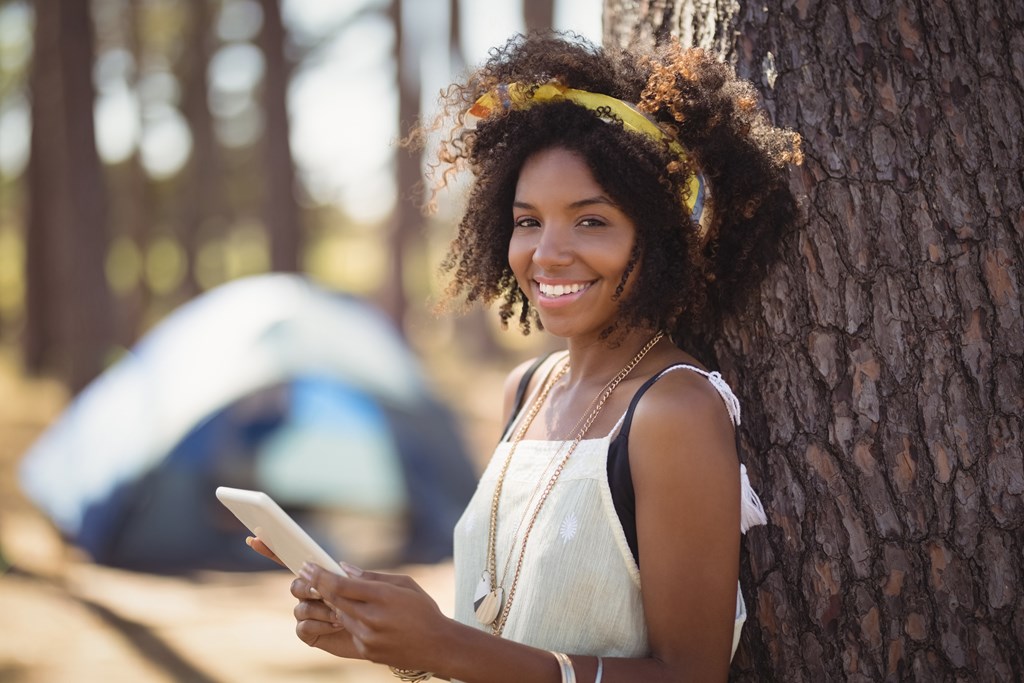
x,y
600,670
565,666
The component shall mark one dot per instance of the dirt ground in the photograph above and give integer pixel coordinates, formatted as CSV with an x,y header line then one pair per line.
x,y
63,618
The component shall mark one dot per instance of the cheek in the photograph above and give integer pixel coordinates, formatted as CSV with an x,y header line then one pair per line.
x,y
520,256
630,282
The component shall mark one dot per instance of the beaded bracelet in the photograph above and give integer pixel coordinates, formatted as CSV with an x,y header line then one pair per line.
x,y
411,675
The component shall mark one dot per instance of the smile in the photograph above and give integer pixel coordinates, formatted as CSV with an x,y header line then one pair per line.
x,y
555,291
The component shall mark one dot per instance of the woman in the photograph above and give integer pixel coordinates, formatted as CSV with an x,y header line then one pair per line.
x,y
622,203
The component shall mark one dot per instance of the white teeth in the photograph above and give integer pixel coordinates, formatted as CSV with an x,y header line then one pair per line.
x,y
560,290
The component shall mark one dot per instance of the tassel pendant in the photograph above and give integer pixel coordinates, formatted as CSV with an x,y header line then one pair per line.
x,y
487,601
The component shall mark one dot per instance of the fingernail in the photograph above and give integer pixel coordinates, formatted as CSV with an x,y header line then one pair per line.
x,y
248,540
307,571
351,569
314,592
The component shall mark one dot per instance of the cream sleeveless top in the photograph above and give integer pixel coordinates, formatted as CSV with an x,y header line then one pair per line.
x,y
579,589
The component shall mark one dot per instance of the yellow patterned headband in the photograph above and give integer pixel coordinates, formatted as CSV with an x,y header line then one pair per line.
x,y
520,95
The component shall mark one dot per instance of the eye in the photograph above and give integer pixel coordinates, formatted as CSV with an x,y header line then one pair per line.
x,y
527,222
592,222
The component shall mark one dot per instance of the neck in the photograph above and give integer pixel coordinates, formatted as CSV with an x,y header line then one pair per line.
x,y
597,362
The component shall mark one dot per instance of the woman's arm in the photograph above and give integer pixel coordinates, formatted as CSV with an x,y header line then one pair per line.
x,y
687,484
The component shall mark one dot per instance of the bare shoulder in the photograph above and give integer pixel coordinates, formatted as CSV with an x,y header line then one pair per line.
x,y
683,413
683,397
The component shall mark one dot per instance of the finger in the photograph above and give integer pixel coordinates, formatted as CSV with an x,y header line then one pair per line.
x,y
315,610
309,631
396,580
364,586
263,549
399,580
334,604
304,590
333,586
347,611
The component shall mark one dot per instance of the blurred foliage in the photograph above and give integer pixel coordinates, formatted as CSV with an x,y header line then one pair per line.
x,y
169,223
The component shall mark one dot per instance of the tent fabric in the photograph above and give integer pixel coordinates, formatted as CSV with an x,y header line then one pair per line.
x,y
268,382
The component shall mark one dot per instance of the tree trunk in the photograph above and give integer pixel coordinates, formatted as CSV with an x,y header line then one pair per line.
x,y
201,206
69,326
881,372
538,14
89,303
456,56
281,208
47,258
138,204
407,220
474,327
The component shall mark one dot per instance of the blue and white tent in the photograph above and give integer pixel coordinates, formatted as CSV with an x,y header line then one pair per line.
x,y
268,382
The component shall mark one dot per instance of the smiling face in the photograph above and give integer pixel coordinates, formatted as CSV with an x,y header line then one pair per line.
x,y
570,246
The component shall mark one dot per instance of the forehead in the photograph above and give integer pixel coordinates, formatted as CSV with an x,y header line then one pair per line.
x,y
556,172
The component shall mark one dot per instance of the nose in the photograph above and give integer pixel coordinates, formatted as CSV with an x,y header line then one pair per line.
x,y
554,247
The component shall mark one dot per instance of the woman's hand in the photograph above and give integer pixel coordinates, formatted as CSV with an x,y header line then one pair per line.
x,y
317,624
385,618
262,548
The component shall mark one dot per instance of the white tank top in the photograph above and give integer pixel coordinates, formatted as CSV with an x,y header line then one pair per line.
x,y
579,588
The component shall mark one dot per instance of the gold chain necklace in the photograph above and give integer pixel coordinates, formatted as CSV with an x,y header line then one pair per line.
x,y
529,503
491,609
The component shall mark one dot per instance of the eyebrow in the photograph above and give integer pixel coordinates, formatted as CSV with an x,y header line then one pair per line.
x,y
579,204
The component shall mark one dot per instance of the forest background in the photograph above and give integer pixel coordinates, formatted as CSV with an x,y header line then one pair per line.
x,y
179,145
151,150
880,367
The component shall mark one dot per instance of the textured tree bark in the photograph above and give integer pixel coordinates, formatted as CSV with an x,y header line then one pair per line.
x,y
881,370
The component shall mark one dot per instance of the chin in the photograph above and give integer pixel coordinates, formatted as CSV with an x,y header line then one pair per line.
x,y
564,329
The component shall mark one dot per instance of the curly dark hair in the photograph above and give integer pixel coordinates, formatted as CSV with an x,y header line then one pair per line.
x,y
685,280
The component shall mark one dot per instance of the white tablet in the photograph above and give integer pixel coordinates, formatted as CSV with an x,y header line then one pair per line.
x,y
273,526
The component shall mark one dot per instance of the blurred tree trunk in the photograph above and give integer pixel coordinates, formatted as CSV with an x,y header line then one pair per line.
x,y
201,204
47,254
476,330
456,56
70,314
90,301
881,371
138,200
406,222
281,210
538,14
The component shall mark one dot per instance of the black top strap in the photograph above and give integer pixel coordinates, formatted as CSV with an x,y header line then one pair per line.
x,y
628,419
524,383
620,475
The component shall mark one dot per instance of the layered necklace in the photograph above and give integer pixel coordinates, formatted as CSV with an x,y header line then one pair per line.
x,y
492,608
